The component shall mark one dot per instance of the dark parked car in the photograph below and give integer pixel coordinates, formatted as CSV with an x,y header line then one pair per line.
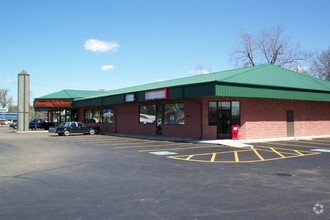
x,y
40,123
73,127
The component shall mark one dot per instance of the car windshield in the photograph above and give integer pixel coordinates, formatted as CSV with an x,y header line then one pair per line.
x,y
62,124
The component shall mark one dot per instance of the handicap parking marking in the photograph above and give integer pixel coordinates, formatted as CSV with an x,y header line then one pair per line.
x,y
210,153
248,155
163,153
178,148
294,145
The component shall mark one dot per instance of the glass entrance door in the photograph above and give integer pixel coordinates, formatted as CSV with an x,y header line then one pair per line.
x,y
224,120
224,124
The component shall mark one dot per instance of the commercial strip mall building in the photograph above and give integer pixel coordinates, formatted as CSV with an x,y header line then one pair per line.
x,y
266,101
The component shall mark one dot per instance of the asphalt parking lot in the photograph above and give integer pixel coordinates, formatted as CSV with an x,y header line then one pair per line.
x,y
44,176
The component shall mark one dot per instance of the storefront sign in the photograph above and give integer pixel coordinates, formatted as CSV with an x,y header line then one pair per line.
x,y
52,103
156,94
3,109
130,97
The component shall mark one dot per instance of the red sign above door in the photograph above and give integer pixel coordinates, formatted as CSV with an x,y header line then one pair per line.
x,y
52,103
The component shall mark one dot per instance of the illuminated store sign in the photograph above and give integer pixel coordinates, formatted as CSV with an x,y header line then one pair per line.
x,y
156,94
52,103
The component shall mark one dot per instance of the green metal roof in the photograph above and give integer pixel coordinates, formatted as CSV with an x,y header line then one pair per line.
x,y
274,76
263,81
70,94
263,75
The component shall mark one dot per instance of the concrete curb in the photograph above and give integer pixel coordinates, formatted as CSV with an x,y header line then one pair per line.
x,y
30,132
246,143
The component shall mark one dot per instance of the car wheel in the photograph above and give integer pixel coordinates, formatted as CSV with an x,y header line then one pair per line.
x,y
92,131
66,133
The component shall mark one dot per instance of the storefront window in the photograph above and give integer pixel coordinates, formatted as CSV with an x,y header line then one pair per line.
x,y
68,115
89,116
235,113
98,115
231,110
174,114
147,114
56,116
107,115
212,113
224,105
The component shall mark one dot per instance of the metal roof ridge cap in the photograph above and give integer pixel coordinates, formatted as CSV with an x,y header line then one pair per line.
x,y
67,93
314,79
252,69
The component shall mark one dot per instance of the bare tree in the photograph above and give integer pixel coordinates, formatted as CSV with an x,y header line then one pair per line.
x,y
200,69
270,46
244,55
5,99
321,64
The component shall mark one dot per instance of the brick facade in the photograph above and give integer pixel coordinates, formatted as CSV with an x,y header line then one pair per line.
x,y
260,118
266,118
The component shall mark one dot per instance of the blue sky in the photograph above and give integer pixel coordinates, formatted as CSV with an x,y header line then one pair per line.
x,y
63,44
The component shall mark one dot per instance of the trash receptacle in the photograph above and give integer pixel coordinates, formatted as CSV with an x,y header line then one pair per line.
x,y
234,132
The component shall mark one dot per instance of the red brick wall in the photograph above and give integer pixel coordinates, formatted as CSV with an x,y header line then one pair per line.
x,y
192,126
312,118
266,118
128,121
209,132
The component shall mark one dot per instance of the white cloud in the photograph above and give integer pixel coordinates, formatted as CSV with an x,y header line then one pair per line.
x,y
100,46
301,69
107,67
160,80
199,72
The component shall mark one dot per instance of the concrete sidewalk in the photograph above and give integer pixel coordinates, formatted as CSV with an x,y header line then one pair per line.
x,y
247,142
226,142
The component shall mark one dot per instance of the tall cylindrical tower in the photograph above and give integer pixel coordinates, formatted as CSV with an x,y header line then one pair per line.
x,y
23,101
